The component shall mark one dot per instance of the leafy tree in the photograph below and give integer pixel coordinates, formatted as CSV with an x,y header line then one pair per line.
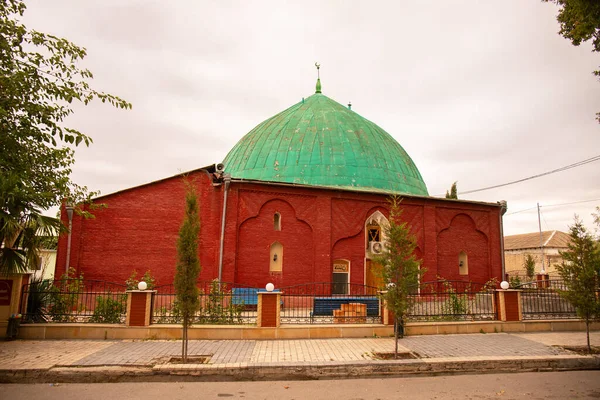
x,y
452,194
579,22
579,270
529,265
400,269
132,282
188,265
39,80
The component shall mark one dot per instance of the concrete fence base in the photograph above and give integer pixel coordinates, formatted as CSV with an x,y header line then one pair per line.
x,y
169,332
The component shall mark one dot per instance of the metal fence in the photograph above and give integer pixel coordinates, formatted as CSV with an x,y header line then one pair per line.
x,y
542,300
330,303
220,304
452,301
87,301
74,301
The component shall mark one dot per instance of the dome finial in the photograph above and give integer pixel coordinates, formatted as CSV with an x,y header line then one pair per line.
x,y
318,78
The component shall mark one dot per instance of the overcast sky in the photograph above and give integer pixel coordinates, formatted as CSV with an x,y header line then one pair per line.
x,y
478,92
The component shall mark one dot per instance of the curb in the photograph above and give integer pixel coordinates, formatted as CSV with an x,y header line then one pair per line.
x,y
299,371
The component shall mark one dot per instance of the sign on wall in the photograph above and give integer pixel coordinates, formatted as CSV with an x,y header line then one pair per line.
x,y
5,291
340,266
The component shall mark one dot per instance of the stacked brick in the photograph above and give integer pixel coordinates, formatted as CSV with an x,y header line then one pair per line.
x,y
351,313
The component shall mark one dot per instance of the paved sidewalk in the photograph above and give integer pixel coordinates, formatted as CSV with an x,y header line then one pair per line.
x,y
258,359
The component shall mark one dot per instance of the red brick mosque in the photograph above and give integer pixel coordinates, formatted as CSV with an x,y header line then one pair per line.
x,y
302,198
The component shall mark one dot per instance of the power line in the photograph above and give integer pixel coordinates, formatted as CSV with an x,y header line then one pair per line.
x,y
545,222
552,205
520,211
566,167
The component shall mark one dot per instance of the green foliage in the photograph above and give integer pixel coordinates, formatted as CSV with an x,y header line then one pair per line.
x,y
132,281
22,235
514,281
109,310
39,80
38,299
529,265
453,193
596,217
64,296
188,263
490,285
579,270
169,315
579,22
399,268
218,310
455,305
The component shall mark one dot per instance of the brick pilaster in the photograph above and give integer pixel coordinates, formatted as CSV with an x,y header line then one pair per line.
x,y
508,305
543,281
139,307
269,309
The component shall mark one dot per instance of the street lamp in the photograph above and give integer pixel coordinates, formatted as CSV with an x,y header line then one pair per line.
x,y
69,209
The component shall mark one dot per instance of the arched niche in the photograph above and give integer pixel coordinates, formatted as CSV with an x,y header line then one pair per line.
x,y
277,221
276,258
463,263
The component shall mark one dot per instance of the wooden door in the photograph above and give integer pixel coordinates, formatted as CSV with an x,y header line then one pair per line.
x,y
373,275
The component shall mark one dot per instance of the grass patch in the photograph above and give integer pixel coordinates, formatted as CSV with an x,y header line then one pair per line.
x,y
390,356
583,350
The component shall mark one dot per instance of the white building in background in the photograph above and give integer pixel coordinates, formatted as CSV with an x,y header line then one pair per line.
x,y
46,267
517,247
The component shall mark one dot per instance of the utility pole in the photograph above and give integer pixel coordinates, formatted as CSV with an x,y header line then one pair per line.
x,y
543,271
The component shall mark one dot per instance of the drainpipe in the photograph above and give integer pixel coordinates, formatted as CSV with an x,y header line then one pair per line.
x,y
227,180
69,209
503,209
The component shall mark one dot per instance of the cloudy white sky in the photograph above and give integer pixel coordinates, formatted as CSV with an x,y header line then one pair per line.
x,y
478,92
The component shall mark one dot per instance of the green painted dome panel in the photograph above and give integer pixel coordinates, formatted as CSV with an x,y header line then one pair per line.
x,y
320,142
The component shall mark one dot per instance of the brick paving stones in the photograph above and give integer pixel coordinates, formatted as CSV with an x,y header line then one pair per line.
x,y
320,350
562,338
20,355
474,345
157,351
41,354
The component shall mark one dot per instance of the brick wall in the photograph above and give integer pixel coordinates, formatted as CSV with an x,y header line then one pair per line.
x,y
139,230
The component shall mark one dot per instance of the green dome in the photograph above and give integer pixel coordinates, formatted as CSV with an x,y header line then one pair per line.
x,y
319,142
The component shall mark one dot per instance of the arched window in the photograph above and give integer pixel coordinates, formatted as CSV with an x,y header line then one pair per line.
x,y
374,233
463,263
277,222
276,257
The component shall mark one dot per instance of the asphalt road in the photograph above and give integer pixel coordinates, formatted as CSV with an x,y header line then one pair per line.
x,y
531,386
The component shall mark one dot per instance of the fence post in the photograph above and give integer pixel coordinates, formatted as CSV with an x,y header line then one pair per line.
x,y
508,305
543,281
268,309
139,310
387,317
